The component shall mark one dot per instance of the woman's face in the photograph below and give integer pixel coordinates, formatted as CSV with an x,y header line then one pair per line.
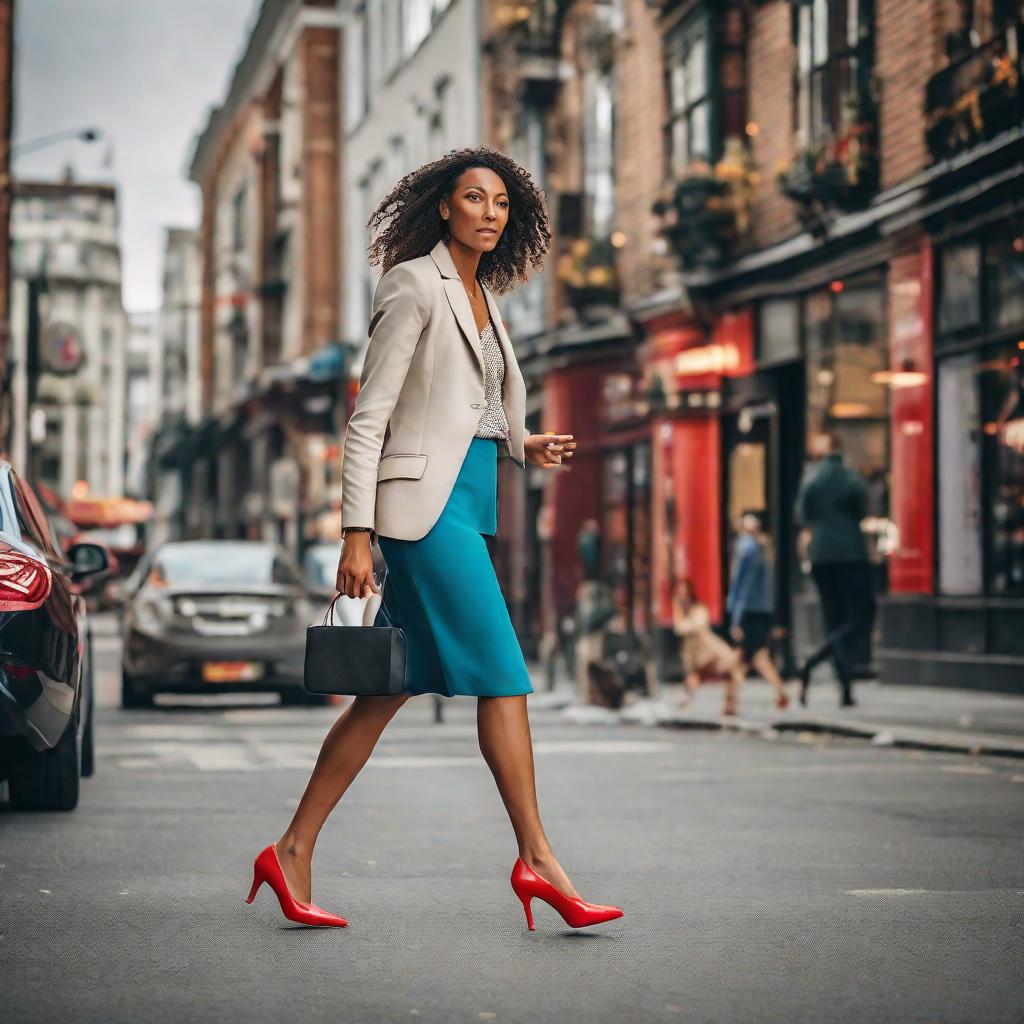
x,y
478,211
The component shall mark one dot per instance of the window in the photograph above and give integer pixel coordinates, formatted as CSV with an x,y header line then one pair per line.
x,y
959,479
238,220
689,97
417,20
778,334
1004,276
1002,402
980,296
847,347
599,151
834,54
960,299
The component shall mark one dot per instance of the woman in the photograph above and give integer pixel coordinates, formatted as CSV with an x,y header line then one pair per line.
x,y
751,603
441,400
704,653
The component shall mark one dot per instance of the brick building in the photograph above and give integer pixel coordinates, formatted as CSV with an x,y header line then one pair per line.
x,y
778,220
268,164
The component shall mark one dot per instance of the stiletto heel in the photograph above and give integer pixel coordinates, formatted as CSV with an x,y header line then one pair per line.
x,y
529,912
576,912
267,868
256,883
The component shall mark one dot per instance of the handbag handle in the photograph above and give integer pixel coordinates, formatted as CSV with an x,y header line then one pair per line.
x,y
329,614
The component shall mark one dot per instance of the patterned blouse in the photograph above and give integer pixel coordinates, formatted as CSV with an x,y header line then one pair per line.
x,y
493,422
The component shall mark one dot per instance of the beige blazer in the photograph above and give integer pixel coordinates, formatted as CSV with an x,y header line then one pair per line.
x,y
421,397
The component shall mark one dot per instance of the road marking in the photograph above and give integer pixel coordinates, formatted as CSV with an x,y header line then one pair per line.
x,y
927,892
209,753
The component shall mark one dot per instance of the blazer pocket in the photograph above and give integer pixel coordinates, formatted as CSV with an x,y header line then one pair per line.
x,y
411,466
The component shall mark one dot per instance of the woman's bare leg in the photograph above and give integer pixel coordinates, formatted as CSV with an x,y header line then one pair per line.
x,y
503,729
344,752
737,674
765,668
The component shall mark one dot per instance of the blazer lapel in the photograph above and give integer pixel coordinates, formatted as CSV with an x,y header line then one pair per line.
x,y
458,300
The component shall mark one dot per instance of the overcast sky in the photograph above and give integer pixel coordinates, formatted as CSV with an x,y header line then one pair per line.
x,y
147,72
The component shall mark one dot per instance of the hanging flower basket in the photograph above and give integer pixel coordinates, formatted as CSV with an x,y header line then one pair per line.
x,y
588,273
704,211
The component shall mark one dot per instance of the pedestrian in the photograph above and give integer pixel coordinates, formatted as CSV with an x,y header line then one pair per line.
x,y
751,602
830,507
704,652
441,401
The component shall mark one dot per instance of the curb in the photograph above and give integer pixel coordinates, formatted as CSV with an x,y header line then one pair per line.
x,y
880,735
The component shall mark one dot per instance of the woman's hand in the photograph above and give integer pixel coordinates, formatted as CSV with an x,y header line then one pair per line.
x,y
355,568
546,450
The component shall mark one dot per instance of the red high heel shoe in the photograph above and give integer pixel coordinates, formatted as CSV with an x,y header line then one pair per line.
x,y
267,868
577,913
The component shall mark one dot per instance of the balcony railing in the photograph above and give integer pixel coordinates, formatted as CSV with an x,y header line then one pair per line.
x,y
704,212
839,172
976,97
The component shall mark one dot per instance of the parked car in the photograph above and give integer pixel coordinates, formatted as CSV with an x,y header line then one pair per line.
x,y
215,616
46,673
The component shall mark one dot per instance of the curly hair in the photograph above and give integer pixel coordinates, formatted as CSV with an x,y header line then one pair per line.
x,y
415,224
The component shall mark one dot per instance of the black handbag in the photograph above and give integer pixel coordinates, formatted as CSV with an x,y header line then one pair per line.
x,y
358,661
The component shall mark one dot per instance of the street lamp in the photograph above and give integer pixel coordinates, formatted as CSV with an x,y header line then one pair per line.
x,y
81,134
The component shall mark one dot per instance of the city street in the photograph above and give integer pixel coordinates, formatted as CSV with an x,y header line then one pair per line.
x,y
761,881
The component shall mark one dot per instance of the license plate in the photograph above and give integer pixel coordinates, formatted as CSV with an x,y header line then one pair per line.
x,y
231,671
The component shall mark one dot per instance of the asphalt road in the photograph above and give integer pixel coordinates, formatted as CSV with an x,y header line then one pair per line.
x,y
761,881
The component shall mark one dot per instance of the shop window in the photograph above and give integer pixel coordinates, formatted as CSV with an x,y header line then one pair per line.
x,y
778,331
687,51
960,291
1002,402
847,363
1004,276
959,497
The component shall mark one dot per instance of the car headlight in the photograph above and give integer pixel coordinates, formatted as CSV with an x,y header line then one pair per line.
x,y
153,612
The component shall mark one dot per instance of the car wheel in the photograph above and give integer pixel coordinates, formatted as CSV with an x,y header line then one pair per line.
x,y
133,695
47,780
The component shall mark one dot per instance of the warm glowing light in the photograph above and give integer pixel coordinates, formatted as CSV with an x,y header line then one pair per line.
x,y
898,379
1013,435
850,410
618,239
80,488
752,128
836,286
991,429
707,359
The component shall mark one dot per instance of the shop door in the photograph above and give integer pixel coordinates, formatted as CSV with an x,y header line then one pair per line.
x,y
763,444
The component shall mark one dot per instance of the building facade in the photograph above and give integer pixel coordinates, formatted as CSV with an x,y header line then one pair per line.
x,y
779,221
268,166
68,337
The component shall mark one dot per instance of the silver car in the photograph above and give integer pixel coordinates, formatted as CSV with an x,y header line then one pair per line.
x,y
216,616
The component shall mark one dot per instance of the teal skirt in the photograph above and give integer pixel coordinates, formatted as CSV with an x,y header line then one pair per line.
x,y
442,591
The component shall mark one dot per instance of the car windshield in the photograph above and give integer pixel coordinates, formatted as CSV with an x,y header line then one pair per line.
x,y
225,563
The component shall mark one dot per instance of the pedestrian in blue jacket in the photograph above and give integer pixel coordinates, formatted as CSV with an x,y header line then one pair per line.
x,y
751,602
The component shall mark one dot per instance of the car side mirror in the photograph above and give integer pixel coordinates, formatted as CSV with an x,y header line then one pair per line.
x,y
87,560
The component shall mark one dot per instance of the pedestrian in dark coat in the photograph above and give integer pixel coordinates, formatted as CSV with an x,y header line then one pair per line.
x,y
831,504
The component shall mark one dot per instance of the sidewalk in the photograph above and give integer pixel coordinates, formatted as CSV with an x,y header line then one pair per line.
x,y
927,718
